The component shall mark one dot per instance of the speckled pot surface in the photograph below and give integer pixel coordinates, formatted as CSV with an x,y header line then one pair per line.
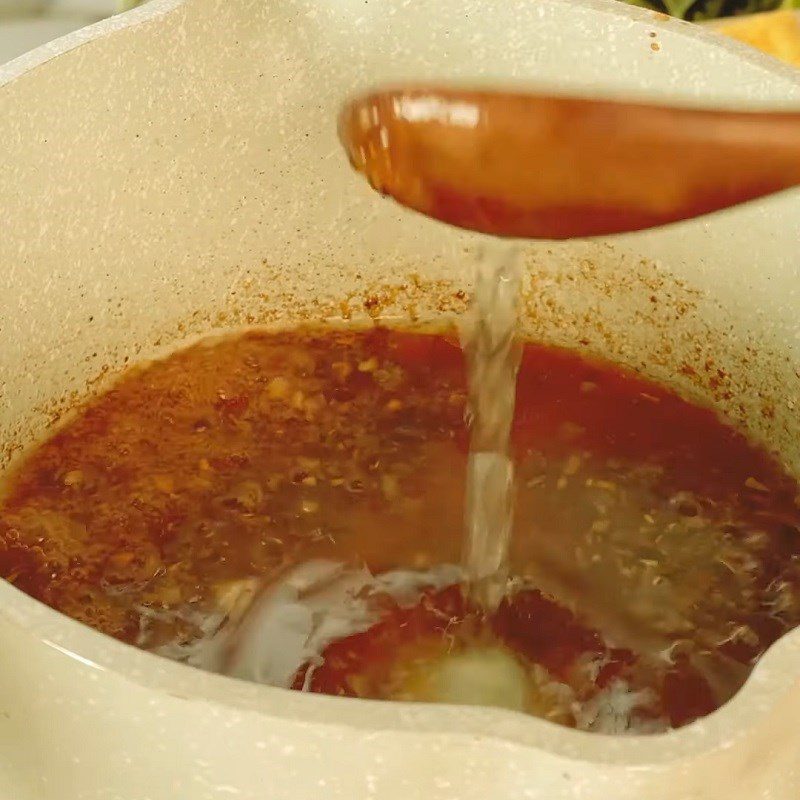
x,y
175,171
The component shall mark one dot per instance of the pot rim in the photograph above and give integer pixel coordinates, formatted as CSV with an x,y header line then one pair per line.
x,y
150,11
774,676
27,62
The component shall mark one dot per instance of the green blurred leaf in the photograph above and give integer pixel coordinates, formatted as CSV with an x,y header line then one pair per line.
x,y
697,10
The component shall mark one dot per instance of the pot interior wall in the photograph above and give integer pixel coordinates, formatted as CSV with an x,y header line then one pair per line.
x,y
182,176
598,299
177,174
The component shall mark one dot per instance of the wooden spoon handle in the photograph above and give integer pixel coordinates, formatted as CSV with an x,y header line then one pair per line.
x,y
555,168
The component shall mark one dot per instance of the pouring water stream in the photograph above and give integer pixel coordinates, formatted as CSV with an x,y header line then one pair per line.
x,y
492,355
528,166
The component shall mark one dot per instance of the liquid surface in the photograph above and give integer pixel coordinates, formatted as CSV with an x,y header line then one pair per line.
x,y
655,554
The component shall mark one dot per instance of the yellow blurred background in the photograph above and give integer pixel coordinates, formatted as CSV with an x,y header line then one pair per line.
x,y
776,33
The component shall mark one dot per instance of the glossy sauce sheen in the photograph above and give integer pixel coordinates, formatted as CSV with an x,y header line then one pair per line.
x,y
648,535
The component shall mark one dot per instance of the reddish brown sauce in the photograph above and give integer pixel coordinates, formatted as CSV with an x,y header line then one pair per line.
x,y
649,534
530,625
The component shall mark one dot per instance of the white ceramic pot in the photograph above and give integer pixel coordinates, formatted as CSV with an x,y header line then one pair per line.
x,y
175,171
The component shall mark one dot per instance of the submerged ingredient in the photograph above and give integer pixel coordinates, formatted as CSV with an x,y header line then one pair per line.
x,y
656,553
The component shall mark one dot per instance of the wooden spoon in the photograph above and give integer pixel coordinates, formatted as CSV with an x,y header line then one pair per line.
x,y
555,168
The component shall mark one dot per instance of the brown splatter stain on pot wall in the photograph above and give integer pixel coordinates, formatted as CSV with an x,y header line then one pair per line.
x,y
580,307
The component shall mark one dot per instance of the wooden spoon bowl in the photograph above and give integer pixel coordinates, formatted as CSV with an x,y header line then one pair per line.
x,y
556,168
